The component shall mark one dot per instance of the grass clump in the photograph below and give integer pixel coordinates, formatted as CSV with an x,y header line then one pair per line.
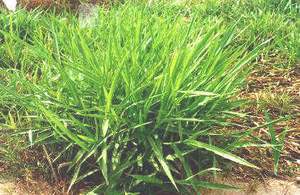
x,y
280,102
133,101
261,20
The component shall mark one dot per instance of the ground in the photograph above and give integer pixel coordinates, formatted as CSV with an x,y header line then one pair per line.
x,y
269,187
277,90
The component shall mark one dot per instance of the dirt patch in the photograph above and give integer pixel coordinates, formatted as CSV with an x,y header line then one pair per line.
x,y
8,188
270,187
16,186
276,91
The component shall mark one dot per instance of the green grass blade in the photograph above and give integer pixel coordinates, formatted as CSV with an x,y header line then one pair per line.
x,y
220,152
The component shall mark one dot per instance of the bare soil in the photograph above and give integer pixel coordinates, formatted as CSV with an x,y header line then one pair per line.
x,y
269,187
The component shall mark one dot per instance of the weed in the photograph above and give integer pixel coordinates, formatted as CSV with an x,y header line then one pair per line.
x,y
272,101
135,100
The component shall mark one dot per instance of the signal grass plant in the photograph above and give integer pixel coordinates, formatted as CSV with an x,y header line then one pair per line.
x,y
132,103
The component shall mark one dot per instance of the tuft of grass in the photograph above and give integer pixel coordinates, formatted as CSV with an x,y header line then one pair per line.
x,y
277,141
133,102
278,102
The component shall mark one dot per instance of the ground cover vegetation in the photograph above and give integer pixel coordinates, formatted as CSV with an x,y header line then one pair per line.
x,y
146,99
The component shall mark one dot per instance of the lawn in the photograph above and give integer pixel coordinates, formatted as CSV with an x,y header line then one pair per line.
x,y
151,97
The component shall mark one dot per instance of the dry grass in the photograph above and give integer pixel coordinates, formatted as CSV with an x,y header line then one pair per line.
x,y
277,91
